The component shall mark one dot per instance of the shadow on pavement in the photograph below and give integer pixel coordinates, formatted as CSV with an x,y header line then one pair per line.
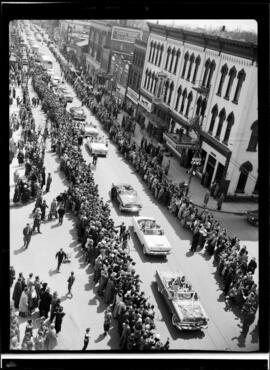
x,y
64,298
53,272
189,253
20,250
100,338
55,225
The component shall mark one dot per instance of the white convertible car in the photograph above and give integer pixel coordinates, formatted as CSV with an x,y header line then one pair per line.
x,y
151,236
97,146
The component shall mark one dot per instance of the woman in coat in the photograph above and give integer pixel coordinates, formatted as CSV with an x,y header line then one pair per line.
x,y
58,319
23,305
17,292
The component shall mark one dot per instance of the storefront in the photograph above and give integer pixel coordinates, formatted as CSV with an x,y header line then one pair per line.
x,y
144,106
131,101
120,93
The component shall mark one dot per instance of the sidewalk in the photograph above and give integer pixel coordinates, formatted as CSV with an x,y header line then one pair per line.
x,y
197,191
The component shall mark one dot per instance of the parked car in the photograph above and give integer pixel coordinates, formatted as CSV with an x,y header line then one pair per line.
x,y
151,236
77,113
126,197
187,311
253,217
97,146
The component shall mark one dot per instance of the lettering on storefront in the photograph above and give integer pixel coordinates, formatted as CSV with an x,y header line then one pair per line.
x,y
132,95
125,34
146,104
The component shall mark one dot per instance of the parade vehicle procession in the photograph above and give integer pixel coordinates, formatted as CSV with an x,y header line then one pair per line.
x,y
112,200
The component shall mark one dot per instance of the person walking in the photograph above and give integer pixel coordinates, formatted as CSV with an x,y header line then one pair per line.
x,y
59,319
195,240
49,181
220,201
60,255
17,292
206,198
70,281
37,220
107,321
61,212
53,209
27,234
86,339
43,210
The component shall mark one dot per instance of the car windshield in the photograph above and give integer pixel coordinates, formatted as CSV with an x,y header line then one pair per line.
x,y
153,232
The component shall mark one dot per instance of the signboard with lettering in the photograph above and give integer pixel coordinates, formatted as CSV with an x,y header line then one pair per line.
x,y
125,34
146,104
131,94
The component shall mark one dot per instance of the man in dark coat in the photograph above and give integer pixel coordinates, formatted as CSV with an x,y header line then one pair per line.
x,y
49,181
195,241
27,234
252,265
45,302
60,255
61,212
58,319
17,292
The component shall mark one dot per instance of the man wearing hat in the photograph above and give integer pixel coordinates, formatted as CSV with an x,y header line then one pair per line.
x,y
37,220
27,233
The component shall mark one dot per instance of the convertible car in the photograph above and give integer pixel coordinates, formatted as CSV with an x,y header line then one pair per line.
x,y
151,236
77,113
126,197
183,301
97,146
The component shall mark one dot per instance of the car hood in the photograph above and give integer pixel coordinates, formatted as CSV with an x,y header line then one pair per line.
x,y
99,146
129,198
157,241
190,311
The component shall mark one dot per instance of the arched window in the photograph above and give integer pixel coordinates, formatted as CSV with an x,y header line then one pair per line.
x,y
179,92
241,78
245,169
214,112
178,53
212,68
222,116
197,63
171,91
224,72
253,141
154,52
157,54
155,85
168,56
191,61
172,59
152,81
145,80
203,107
150,52
206,70
166,90
148,82
232,75
183,100
185,64
199,103
160,54
190,97
230,122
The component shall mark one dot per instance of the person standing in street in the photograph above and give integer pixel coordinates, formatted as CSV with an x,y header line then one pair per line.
x,y
59,319
60,255
107,321
86,339
27,234
17,292
70,281
43,210
206,198
61,212
37,220
220,201
94,162
49,181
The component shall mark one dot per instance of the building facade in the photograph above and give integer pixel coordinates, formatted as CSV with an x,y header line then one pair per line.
x,y
204,89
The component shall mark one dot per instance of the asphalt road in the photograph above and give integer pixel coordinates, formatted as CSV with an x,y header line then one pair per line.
x,y
223,333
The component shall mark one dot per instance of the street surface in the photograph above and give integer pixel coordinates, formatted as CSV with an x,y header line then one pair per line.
x,y
86,309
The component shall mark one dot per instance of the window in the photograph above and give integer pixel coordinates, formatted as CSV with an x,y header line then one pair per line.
x,y
138,82
224,71
183,100
256,189
232,75
245,169
206,70
241,78
166,90
197,63
145,80
155,85
172,59
199,103
212,68
160,54
213,119
230,122
190,97
203,107
179,92
191,61
170,94
222,116
185,64
253,141
154,52
157,54
152,81
178,53
148,82
150,52
168,56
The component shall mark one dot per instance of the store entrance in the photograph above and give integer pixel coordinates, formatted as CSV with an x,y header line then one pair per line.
x,y
210,170
219,172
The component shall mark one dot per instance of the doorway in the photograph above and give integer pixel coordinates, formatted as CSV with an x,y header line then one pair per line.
x,y
210,170
219,172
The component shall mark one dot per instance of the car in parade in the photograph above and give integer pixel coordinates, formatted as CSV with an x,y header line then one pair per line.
x,y
97,146
151,236
182,300
90,130
126,197
253,217
77,113
63,92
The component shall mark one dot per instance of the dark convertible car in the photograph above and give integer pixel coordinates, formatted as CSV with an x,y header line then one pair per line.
x,y
126,197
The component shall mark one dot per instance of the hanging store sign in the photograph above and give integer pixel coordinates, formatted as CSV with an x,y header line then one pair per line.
x,y
125,34
146,104
132,95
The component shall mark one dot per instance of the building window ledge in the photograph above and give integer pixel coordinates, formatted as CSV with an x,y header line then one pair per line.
x,y
217,138
225,142
235,102
210,132
226,98
239,192
218,94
